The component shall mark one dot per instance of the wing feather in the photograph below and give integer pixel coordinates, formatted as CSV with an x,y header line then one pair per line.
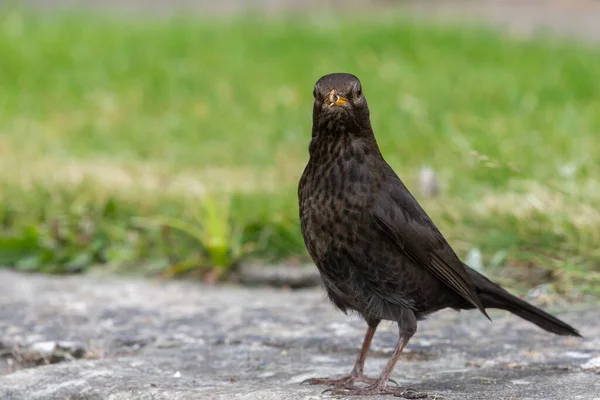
x,y
400,217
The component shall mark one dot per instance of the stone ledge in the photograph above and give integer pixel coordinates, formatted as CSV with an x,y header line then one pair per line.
x,y
183,340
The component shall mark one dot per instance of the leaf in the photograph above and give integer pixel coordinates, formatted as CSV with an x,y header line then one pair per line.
x,y
79,261
15,248
29,263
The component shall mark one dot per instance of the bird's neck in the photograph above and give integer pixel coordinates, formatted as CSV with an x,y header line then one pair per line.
x,y
341,143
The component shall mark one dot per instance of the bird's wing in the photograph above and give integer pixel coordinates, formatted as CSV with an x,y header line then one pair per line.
x,y
399,216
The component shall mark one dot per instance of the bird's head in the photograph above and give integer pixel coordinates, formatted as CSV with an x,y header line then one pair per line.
x,y
340,104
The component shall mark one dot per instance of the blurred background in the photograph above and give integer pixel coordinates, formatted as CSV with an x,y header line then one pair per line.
x,y
167,138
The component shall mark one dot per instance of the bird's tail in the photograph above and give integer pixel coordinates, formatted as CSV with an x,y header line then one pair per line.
x,y
493,296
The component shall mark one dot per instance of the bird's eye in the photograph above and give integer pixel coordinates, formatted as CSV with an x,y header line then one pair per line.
x,y
359,93
315,93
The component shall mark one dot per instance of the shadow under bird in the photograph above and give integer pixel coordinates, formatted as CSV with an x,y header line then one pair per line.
x,y
378,252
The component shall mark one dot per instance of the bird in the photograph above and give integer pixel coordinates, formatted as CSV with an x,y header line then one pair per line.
x,y
378,252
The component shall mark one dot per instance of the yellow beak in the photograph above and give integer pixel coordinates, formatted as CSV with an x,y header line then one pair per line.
x,y
334,99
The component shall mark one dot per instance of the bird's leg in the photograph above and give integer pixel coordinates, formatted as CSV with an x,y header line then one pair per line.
x,y
408,326
359,366
357,374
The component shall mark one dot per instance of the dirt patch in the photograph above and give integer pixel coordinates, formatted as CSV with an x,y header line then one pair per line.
x,y
14,358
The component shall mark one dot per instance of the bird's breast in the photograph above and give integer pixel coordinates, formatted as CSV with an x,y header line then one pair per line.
x,y
334,197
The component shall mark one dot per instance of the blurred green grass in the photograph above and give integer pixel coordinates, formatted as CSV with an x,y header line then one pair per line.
x,y
111,126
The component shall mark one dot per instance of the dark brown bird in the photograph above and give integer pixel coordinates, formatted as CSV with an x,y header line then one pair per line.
x,y
378,252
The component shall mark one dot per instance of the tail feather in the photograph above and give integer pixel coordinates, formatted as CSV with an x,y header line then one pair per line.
x,y
493,296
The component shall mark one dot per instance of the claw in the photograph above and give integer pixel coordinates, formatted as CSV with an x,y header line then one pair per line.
x,y
344,381
394,382
377,390
338,385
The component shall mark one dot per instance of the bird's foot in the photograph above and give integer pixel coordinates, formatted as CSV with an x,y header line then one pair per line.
x,y
376,389
345,381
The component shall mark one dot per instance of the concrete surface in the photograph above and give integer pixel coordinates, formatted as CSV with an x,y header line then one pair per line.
x,y
134,339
